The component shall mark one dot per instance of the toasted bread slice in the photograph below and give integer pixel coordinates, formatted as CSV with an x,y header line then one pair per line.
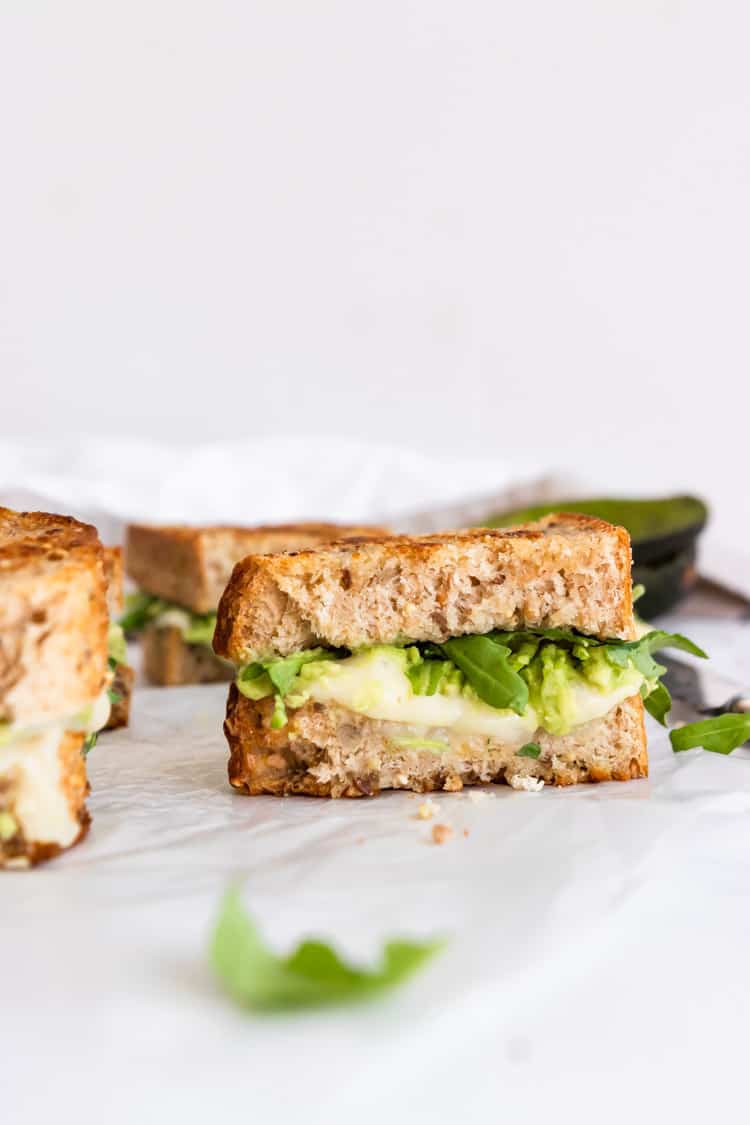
x,y
122,684
327,751
53,616
192,565
43,789
168,660
566,570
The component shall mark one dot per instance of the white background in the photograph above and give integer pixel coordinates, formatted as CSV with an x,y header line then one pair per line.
x,y
481,226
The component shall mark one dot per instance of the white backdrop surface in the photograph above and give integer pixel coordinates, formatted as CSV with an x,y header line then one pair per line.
x,y
489,228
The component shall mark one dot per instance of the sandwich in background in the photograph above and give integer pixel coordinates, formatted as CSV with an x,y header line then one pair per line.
x,y
121,688
436,662
182,572
53,680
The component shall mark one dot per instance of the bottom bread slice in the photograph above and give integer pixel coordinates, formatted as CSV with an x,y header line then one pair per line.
x,y
43,791
169,661
122,692
328,751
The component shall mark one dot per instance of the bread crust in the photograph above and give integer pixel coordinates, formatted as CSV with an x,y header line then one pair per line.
x,y
565,570
53,616
192,565
19,852
169,661
327,751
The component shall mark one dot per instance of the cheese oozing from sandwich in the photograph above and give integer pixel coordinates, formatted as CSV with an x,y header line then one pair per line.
x,y
32,773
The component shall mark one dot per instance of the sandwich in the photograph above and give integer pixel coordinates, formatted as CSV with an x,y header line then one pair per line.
x,y
438,662
54,679
182,572
121,687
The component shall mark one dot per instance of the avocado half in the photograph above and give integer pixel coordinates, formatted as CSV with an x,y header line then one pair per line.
x,y
663,534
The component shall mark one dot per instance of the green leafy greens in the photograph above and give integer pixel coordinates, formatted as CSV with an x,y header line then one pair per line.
x,y
313,975
720,735
530,750
507,670
142,610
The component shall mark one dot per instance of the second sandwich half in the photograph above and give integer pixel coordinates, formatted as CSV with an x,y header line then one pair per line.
x,y
437,662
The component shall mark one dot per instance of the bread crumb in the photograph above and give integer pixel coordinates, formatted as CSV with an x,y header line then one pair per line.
x,y
466,831
479,796
427,809
524,781
441,833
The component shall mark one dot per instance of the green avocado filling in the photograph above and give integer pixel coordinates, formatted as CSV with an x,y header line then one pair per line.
x,y
142,610
509,671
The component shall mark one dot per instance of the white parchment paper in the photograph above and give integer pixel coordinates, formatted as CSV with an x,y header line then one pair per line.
x,y
597,964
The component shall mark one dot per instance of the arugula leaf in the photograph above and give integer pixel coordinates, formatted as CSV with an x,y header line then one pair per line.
x,y
312,976
113,696
530,750
140,610
484,662
638,591
721,735
90,742
657,701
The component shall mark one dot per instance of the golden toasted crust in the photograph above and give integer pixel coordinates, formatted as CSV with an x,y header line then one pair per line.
x,y
169,661
192,565
19,852
328,751
566,570
53,616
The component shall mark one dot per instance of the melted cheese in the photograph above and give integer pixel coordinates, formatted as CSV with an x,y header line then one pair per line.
x,y
375,685
40,803
29,760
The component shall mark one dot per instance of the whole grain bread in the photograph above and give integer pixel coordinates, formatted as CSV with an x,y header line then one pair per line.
x,y
18,850
192,565
168,660
328,751
566,570
53,616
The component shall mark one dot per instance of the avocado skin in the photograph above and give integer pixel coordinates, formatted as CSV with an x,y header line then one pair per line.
x,y
663,533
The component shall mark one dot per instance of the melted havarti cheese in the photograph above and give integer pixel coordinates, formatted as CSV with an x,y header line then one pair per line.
x,y
30,762
40,803
376,686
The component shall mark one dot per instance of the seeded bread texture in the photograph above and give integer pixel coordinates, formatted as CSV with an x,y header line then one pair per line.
x,y
19,852
53,616
192,565
329,751
566,570
169,661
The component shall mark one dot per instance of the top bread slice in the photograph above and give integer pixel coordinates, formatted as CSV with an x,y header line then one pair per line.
x,y
53,616
565,571
192,565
